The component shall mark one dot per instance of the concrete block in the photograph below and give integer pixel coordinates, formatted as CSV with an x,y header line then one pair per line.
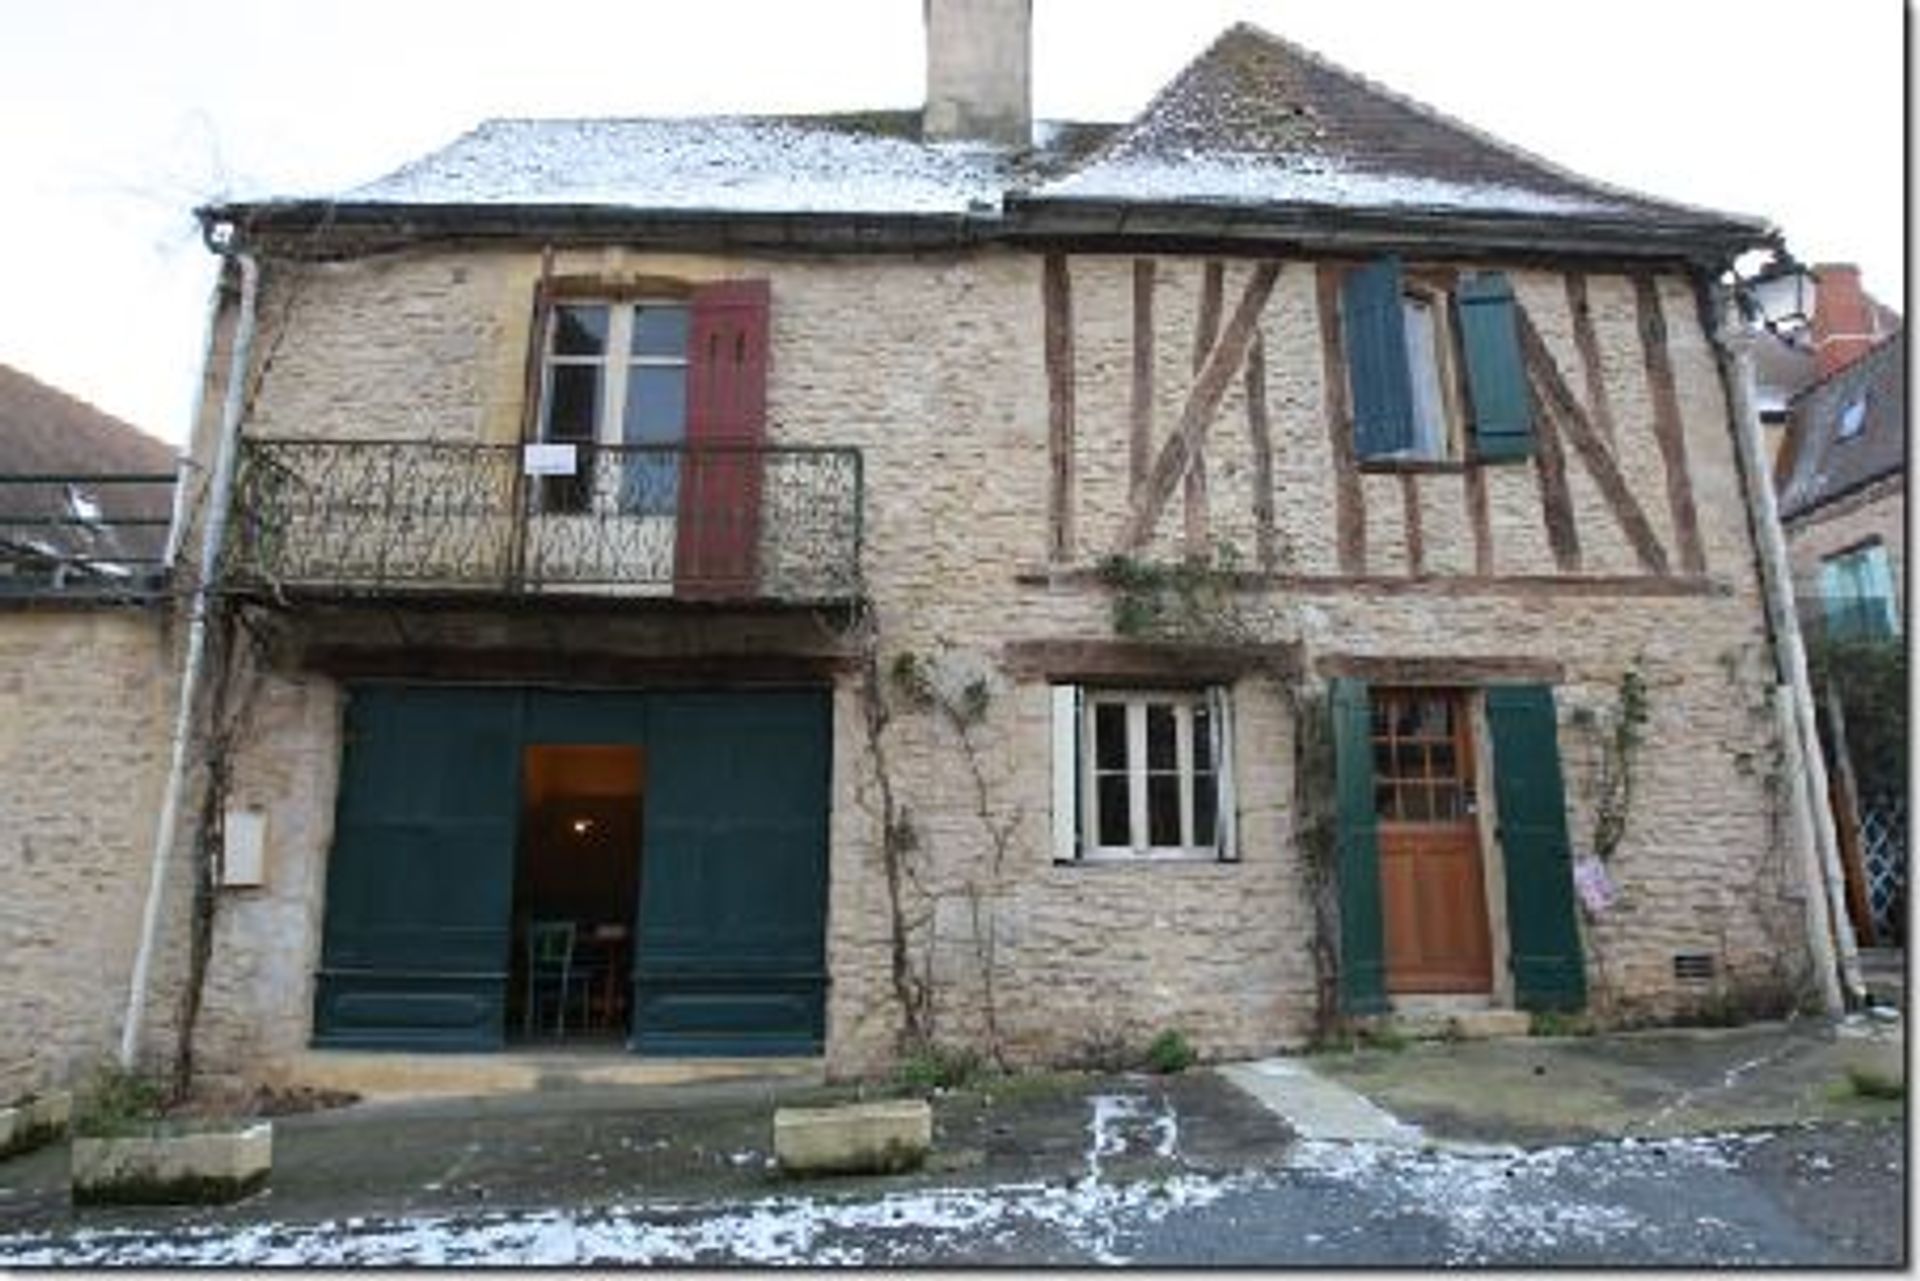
x,y
34,1122
205,1168
856,1138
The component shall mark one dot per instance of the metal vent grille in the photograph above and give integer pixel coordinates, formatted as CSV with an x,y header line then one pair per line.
x,y
1693,967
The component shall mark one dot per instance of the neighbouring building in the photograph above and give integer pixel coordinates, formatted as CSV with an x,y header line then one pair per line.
x,y
86,677
783,585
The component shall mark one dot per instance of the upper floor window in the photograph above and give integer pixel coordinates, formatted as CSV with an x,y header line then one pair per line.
x,y
1856,590
615,374
1407,347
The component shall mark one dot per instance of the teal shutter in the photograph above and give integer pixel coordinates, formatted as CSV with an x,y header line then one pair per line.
x,y
1363,971
420,878
1376,338
1496,378
1543,936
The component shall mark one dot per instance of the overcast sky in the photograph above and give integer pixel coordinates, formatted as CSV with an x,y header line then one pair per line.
x,y
121,115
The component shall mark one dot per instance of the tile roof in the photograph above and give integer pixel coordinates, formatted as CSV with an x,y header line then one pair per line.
x,y
44,431
1257,119
1255,125
1825,466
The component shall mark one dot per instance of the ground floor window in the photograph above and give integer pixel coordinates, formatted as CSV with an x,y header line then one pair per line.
x,y
1152,776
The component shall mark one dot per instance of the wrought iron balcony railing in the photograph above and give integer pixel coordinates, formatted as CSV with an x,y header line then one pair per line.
x,y
80,535
718,522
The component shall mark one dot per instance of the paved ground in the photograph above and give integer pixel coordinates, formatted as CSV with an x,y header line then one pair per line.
x,y
1741,1147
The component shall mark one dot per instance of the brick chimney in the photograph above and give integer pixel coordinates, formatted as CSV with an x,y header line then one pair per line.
x,y
1844,324
979,56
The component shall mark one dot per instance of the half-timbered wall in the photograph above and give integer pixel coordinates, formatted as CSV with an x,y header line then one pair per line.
x,y
1015,412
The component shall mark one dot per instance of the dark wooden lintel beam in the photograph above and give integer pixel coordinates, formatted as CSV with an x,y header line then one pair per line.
x,y
1145,662
1440,670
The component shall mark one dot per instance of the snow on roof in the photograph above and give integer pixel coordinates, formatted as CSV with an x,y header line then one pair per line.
x,y
723,163
1258,120
1242,179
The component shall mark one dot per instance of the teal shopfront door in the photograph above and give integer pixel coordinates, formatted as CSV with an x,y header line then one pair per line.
x,y
729,949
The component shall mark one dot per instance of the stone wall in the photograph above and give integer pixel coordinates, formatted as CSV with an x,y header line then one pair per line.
x,y
932,365
85,715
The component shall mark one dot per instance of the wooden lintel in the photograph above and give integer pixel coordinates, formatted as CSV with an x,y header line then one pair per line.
x,y
1349,504
1551,392
1140,416
1145,662
1056,292
572,666
1439,670
1260,434
1203,401
1666,424
616,288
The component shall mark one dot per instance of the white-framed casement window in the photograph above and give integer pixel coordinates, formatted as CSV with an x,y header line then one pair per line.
x,y
1142,774
1857,593
615,374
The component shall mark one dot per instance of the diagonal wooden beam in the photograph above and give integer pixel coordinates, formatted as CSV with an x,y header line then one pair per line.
x,y
1589,343
1666,424
1202,403
1556,500
1551,389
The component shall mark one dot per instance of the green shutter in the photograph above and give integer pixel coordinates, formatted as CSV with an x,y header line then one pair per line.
x,y
1542,933
1363,972
420,879
1376,338
1496,378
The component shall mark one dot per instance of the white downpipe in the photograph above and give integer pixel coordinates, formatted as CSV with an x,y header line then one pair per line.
x,y
177,525
1828,927
213,534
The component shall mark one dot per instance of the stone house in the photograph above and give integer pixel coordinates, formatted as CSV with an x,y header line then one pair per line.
x,y
1018,584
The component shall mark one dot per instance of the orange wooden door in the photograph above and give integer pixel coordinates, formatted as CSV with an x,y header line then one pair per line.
x,y
1433,899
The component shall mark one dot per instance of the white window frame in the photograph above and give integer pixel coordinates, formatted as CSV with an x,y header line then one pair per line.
x,y
610,429
1076,792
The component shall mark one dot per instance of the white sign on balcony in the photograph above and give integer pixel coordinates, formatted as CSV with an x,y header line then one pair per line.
x,y
550,460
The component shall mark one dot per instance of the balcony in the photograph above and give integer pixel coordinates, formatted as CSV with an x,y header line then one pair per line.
x,y
713,523
79,537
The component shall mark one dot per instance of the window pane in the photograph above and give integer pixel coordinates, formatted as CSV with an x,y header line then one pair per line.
x,y
1383,802
1204,802
1109,736
1162,751
573,402
1202,738
1440,756
1163,809
1409,761
660,330
1382,759
580,331
1446,803
656,410
1429,421
1113,810
1414,807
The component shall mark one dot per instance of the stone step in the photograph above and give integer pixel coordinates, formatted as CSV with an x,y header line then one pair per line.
x,y
1459,1023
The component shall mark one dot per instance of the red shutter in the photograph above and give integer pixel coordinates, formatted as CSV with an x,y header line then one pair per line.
x,y
718,536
